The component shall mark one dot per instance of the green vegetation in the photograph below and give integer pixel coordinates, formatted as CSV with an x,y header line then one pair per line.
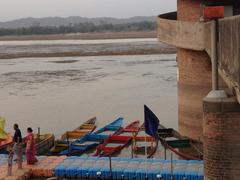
x,y
80,28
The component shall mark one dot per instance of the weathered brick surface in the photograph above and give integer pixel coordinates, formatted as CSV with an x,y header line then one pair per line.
x,y
189,10
194,77
220,129
221,132
193,85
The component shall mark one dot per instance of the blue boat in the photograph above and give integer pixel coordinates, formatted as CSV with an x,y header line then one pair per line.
x,y
92,140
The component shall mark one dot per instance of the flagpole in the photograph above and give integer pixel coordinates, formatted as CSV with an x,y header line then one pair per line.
x,y
146,153
132,146
145,146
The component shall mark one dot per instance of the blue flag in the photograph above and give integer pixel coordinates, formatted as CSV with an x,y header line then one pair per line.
x,y
151,122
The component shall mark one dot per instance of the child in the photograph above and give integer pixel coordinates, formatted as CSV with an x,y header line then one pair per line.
x,y
10,161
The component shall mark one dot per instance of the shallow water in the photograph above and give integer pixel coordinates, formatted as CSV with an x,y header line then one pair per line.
x,y
58,94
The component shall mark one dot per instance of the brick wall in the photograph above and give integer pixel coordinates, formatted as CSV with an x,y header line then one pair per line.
x,y
194,77
221,140
193,85
189,10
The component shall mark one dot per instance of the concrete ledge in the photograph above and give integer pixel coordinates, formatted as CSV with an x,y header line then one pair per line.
x,y
220,105
184,34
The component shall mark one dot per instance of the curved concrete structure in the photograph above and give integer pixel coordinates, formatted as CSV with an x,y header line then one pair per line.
x,y
178,33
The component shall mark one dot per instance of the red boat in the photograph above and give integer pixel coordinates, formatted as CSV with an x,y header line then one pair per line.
x,y
116,142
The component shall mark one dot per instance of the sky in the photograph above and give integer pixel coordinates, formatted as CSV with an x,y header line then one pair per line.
x,y
15,9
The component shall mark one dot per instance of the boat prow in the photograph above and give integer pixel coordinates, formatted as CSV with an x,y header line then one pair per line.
x,y
116,142
63,143
92,140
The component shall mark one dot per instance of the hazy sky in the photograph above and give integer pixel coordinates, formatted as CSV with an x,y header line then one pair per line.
x,y
14,9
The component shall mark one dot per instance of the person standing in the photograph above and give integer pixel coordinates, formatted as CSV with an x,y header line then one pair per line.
x,y
10,160
30,148
17,146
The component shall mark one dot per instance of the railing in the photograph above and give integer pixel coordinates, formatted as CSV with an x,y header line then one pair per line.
x,y
229,52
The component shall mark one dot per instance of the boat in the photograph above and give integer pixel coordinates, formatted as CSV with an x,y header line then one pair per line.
x,y
63,143
4,143
116,142
44,143
92,140
5,138
182,146
3,134
143,144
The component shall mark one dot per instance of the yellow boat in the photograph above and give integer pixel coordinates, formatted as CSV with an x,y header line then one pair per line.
x,y
3,134
68,136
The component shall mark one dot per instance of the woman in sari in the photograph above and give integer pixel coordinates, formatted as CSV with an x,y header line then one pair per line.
x,y
30,148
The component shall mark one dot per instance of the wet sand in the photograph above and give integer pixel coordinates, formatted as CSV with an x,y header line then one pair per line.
x,y
63,48
77,36
58,94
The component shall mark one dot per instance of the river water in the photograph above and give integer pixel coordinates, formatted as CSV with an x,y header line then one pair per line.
x,y
58,94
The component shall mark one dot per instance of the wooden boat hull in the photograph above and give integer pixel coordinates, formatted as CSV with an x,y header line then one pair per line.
x,y
92,140
173,141
62,144
141,143
80,131
116,142
44,143
6,142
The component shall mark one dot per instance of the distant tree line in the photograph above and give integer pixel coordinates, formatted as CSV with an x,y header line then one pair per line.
x,y
36,29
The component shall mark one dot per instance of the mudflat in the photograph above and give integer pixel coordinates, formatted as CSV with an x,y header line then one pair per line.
x,y
90,36
82,47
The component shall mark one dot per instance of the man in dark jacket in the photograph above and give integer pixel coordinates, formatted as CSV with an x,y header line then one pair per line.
x,y
17,138
17,146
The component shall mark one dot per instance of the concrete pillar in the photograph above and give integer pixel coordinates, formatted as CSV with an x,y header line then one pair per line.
x,y
194,81
221,133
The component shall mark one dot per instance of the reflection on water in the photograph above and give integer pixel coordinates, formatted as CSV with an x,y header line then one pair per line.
x,y
58,94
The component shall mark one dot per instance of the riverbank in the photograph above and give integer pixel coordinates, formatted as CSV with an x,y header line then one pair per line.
x,y
83,36
167,50
76,47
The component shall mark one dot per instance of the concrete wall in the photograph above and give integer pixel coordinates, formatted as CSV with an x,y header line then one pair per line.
x,y
178,33
229,52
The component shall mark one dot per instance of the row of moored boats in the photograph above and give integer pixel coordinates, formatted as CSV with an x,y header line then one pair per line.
x,y
111,139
